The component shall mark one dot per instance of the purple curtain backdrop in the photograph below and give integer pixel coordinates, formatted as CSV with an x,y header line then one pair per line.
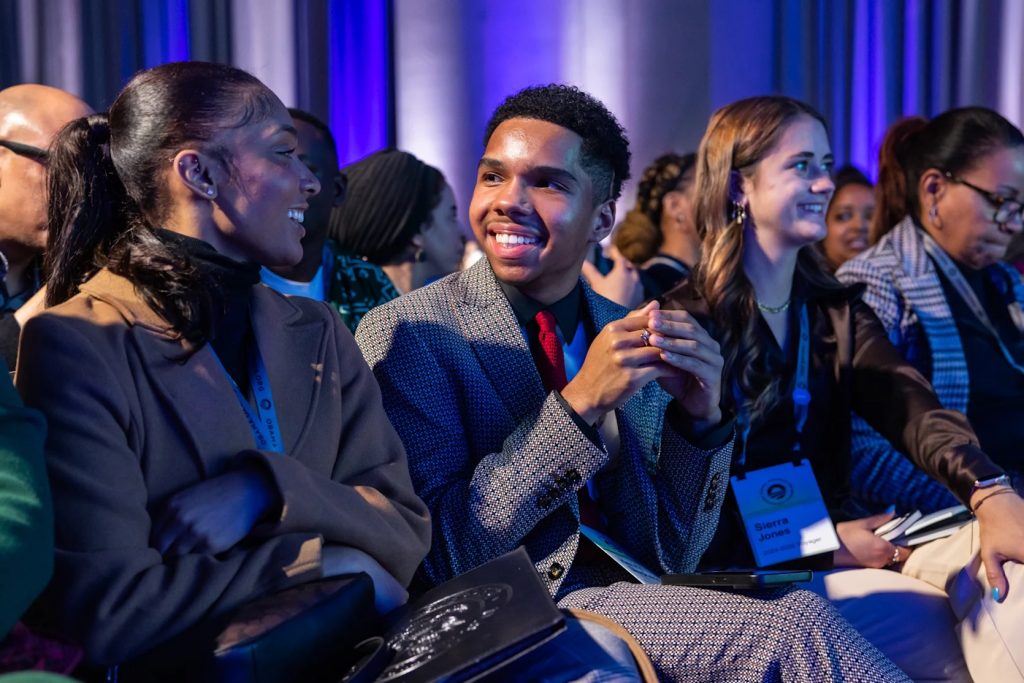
x,y
425,74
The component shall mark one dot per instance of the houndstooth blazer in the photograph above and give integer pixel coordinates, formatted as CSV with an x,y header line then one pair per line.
x,y
905,292
498,460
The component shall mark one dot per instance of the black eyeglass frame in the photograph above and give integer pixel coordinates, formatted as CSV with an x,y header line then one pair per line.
x,y
28,151
998,202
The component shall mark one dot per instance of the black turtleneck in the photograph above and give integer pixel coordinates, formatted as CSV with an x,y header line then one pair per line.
x,y
232,283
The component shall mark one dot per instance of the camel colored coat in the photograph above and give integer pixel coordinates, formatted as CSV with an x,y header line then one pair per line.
x,y
130,424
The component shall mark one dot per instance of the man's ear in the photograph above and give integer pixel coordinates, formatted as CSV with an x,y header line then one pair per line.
x,y
195,171
604,221
340,185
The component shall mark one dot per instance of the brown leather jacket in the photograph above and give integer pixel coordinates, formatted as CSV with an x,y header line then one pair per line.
x,y
855,367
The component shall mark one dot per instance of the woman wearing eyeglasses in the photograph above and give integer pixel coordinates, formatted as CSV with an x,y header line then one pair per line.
x,y
949,200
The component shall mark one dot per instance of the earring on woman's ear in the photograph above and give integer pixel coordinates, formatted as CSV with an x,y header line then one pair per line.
x,y
420,256
933,215
210,192
738,213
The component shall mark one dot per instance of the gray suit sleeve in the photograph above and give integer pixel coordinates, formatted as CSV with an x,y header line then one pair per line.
x,y
485,502
666,502
482,506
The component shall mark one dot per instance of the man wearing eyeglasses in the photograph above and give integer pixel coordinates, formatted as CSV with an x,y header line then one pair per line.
x,y
30,116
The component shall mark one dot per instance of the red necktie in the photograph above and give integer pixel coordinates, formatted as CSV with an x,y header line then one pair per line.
x,y
551,366
550,362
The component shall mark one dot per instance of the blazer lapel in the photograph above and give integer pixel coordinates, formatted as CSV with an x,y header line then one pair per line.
x,y
293,348
199,393
492,331
192,388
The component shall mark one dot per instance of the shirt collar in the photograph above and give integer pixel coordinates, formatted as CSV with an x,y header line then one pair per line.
x,y
566,310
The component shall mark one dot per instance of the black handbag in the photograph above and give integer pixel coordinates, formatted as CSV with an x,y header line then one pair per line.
x,y
304,633
465,629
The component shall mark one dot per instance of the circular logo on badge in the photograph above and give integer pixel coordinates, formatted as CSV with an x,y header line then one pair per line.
x,y
776,491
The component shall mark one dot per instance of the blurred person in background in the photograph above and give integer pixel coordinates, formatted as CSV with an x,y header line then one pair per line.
x,y
30,116
659,234
848,217
396,231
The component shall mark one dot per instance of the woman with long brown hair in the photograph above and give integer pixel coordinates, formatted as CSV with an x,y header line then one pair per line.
x,y
800,352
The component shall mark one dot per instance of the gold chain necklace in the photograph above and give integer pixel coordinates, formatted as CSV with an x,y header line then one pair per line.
x,y
775,309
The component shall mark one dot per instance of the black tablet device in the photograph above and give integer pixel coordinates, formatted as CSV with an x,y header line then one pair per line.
x,y
739,580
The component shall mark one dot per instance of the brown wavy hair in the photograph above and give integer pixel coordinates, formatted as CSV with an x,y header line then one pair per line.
x,y
737,138
639,238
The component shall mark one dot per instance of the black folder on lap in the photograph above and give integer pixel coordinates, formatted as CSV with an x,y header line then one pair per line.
x,y
466,628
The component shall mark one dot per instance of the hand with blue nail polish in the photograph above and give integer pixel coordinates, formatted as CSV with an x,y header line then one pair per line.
x,y
1001,524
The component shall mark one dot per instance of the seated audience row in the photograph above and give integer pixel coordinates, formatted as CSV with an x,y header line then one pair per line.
x,y
211,441
531,407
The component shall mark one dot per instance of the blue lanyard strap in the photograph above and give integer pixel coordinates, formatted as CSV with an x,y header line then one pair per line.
x,y
956,278
263,418
801,392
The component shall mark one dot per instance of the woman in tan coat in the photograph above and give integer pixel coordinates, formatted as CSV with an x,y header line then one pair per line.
x,y
209,440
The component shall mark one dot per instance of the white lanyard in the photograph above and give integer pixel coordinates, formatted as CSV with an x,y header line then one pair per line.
x,y
956,278
801,391
263,419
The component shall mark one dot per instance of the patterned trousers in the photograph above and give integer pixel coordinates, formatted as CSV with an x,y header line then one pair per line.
x,y
694,634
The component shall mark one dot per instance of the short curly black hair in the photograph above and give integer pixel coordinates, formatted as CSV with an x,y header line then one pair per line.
x,y
605,146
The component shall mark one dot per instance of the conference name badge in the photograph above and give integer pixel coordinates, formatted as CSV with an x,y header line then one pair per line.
x,y
784,514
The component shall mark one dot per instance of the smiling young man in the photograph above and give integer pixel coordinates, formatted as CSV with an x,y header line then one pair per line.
x,y
533,410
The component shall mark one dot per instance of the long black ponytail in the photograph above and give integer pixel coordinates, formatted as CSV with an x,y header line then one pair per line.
x,y
107,192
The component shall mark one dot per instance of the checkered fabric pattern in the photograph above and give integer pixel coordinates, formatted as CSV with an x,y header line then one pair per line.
x,y
498,461
697,635
903,288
